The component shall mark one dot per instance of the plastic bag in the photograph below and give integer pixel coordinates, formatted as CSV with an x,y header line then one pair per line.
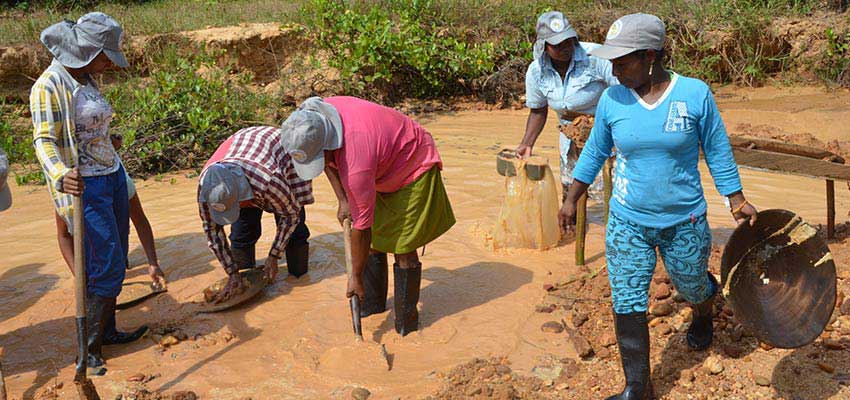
x,y
529,215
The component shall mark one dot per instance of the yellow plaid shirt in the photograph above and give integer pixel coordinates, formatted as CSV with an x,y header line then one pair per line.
x,y
51,105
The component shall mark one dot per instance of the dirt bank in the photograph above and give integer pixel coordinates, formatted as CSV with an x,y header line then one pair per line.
x,y
296,341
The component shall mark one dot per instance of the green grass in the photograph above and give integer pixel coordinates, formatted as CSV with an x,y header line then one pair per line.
x,y
158,16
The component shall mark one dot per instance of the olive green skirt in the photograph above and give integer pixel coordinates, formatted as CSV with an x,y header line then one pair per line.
x,y
413,216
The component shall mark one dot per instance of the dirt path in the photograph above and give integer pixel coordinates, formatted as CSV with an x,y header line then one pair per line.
x,y
296,341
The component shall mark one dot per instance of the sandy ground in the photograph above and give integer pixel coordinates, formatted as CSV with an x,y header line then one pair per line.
x,y
296,341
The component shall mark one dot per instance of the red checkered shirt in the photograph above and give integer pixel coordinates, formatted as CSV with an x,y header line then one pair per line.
x,y
277,188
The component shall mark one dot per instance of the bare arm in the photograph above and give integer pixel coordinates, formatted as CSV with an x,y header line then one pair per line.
x,y
361,243
533,126
343,211
143,229
567,215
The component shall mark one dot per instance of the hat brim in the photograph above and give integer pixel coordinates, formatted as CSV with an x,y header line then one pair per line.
x,y
557,39
117,58
609,52
5,198
309,170
225,217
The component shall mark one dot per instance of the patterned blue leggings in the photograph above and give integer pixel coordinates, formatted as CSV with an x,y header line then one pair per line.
x,y
630,253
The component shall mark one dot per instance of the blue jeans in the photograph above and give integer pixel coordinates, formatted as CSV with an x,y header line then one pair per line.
x,y
630,250
246,231
106,214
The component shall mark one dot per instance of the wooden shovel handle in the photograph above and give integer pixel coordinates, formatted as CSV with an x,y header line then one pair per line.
x,y
346,235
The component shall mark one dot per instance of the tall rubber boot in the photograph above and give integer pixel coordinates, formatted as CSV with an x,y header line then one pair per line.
x,y
375,281
96,318
244,257
407,282
633,340
297,259
111,335
701,332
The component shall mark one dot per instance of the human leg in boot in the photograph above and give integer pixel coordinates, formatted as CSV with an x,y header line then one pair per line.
x,y
633,340
701,331
96,310
111,335
407,276
687,266
244,234
375,281
298,249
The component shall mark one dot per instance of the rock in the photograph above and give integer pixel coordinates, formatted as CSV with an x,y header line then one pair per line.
x,y
845,307
546,309
184,395
825,367
833,344
655,321
579,319
552,327
686,379
360,393
661,278
664,329
762,380
580,344
473,391
661,309
604,353
661,291
547,372
687,314
136,377
168,340
766,347
713,365
733,351
844,321
607,339
548,287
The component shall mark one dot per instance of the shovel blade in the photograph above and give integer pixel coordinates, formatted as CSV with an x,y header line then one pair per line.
x,y
86,389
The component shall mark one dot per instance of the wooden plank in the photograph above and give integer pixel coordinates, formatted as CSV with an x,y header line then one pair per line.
x,y
830,209
775,146
581,228
791,164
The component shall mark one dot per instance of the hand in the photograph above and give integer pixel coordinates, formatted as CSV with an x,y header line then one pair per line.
x,y
270,269
355,287
72,183
523,151
343,212
233,287
747,212
567,217
157,277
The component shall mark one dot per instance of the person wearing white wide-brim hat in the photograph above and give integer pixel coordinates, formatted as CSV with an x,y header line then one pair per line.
x,y
71,121
566,79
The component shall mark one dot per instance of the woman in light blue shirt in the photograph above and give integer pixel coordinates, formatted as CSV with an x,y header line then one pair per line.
x,y
565,78
659,122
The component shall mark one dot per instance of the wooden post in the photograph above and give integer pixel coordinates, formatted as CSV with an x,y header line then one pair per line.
x,y
830,209
607,187
581,228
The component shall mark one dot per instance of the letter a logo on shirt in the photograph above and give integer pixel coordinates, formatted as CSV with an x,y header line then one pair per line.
x,y
677,118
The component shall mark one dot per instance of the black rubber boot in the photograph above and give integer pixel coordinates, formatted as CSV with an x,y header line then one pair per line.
x,y
701,331
96,319
407,282
244,257
633,341
111,335
375,280
297,259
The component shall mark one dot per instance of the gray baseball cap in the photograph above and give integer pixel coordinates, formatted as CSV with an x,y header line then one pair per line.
x,y
76,44
631,33
223,186
5,192
552,28
310,130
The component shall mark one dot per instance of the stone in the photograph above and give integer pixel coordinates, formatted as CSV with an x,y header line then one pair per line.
x,y
687,314
547,372
762,380
686,380
548,287
184,395
664,329
825,367
713,365
655,321
661,278
607,339
661,291
845,307
580,344
579,319
552,327
766,347
604,353
833,344
545,309
168,340
136,377
733,351
844,321
360,393
661,309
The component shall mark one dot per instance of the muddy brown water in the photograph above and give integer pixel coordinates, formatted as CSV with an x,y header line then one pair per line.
x,y
296,341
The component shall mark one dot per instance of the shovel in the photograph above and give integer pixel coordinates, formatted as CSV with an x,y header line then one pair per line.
x,y
353,301
85,387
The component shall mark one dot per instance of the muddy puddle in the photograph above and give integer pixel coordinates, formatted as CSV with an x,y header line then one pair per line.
x,y
296,341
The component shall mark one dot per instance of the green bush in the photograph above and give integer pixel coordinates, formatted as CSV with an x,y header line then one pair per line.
x,y
177,117
16,141
835,66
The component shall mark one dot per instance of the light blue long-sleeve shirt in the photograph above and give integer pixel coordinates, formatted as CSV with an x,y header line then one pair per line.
x,y
656,180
